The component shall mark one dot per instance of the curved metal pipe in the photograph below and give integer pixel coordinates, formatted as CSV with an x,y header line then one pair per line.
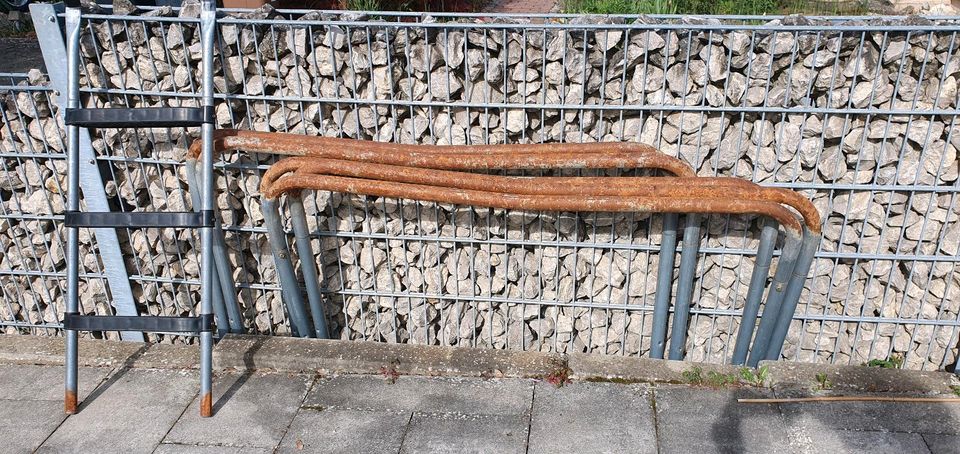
x,y
655,202
460,157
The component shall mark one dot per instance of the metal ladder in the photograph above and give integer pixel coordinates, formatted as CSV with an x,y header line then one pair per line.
x,y
164,117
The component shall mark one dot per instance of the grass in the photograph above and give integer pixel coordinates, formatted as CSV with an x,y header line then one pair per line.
x,y
722,7
362,5
893,362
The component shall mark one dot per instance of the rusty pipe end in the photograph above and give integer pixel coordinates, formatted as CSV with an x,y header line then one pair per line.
x,y
206,405
70,402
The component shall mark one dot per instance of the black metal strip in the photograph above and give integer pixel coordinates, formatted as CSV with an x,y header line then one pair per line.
x,y
146,324
148,117
186,219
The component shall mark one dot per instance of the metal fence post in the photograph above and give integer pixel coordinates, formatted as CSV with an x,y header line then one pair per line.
x,y
47,27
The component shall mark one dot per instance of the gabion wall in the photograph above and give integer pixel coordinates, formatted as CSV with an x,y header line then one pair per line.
x,y
859,115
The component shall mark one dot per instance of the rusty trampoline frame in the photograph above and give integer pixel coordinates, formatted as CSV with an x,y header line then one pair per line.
x,y
439,174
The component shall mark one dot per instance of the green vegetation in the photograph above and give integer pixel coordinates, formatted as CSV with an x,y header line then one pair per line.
x,y
822,382
955,389
693,376
362,5
893,362
723,7
757,378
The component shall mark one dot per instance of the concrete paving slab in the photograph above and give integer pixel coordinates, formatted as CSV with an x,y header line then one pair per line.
x,y
942,444
129,413
932,418
250,410
705,420
592,417
28,382
25,424
457,434
171,448
472,396
345,431
846,441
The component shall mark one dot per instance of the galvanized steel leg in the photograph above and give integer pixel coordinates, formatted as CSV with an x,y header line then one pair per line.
x,y
220,311
771,309
73,204
688,268
661,306
308,265
225,300
208,18
758,280
792,296
289,287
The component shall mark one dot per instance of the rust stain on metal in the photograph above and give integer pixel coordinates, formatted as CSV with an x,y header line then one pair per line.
x,y
658,200
600,155
70,402
206,405
399,171
723,189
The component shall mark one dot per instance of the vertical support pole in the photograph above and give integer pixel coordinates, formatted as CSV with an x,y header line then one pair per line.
x,y
758,280
219,307
308,265
57,61
208,17
792,295
771,309
73,204
661,305
289,288
688,267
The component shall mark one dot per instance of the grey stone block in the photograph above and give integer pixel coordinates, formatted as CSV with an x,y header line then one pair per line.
x,y
456,434
702,420
129,413
251,410
25,424
471,396
942,444
345,431
27,382
592,417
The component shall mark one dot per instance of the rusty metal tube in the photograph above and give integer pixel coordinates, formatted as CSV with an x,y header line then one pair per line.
x,y
723,189
658,202
601,155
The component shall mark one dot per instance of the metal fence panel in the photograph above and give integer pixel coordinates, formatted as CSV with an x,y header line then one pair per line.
x,y
857,113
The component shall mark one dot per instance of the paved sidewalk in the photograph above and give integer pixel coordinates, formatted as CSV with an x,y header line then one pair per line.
x,y
143,399
155,410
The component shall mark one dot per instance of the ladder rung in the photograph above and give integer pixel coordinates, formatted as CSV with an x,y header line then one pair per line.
x,y
148,117
146,324
139,219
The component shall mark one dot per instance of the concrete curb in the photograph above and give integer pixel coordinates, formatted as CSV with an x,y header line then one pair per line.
x,y
800,380
296,355
332,356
